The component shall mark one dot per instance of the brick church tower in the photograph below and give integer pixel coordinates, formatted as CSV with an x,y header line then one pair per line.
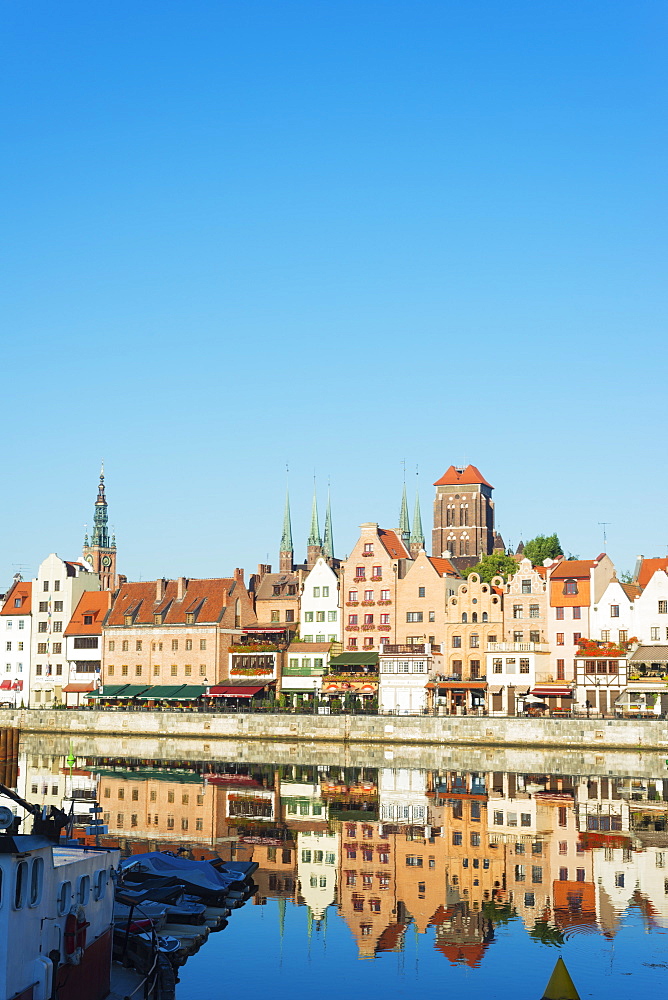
x,y
100,553
463,515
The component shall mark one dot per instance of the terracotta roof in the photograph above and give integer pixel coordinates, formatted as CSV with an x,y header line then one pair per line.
x,y
462,954
443,566
211,601
310,647
393,544
648,568
470,476
93,603
650,654
568,568
632,590
22,590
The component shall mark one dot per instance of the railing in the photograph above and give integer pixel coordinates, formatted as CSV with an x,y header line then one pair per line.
x,y
518,647
418,647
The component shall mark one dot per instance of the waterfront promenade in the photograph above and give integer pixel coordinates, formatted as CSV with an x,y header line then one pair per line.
x,y
579,733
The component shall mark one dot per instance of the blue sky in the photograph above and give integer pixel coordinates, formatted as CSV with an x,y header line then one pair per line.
x,y
339,235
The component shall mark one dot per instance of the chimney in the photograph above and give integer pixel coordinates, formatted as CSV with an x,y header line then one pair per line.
x,y
160,588
263,569
181,587
239,575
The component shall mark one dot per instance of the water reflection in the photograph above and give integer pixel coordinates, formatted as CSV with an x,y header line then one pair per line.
x,y
455,854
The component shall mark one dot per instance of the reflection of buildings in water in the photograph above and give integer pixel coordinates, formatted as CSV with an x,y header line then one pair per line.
x,y
367,882
317,866
463,935
302,803
402,795
627,878
42,779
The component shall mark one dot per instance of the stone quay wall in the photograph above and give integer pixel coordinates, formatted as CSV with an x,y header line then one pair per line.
x,y
592,734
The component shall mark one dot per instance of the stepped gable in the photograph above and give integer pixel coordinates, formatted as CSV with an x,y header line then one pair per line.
x,y
470,476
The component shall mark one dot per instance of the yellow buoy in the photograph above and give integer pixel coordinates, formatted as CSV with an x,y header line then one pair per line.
x,y
560,986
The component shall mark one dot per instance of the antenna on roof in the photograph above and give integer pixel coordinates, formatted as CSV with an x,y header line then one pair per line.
x,y
604,525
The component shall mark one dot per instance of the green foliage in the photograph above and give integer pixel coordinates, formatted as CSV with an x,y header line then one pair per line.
x,y
547,933
498,913
626,577
498,564
543,547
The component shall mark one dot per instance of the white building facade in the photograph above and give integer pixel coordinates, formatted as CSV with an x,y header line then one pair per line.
x,y
404,672
15,639
55,594
320,614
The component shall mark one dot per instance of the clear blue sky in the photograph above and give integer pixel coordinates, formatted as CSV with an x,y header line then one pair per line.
x,y
339,234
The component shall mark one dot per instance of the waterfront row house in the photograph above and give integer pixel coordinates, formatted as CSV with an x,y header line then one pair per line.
x,y
174,634
83,646
15,637
56,592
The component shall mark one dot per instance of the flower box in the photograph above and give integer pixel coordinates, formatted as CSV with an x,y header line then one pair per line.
x,y
376,578
367,555
384,602
368,628
359,579
384,628
352,604
367,604
252,671
352,628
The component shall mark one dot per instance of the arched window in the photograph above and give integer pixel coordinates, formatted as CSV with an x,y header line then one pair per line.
x,y
474,617
465,617
484,616
237,613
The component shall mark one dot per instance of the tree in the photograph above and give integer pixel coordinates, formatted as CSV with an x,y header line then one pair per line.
x,y
498,564
543,547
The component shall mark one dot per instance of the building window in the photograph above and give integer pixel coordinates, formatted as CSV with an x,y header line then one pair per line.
x,y
384,619
518,610
46,586
456,642
368,619
56,585
421,591
124,671
202,644
524,666
57,647
138,670
534,636
43,607
518,636
534,611
526,586
654,633
125,645
352,619
384,595
42,626
497,665
560,638
325,591
359,573
316,591
663,607
561,670
138,643
560,614
41,648
290,615
413,616
172,670
605,635
623,635
331,616
474,640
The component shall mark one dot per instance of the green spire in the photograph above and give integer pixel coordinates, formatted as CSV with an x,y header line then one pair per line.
x,y
328,540
404,524
314,537
100,530
417,534
286,537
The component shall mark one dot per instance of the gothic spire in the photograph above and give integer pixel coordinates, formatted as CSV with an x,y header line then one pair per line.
x,y
417,534
314,536
404,524
286,537
100,536
328,538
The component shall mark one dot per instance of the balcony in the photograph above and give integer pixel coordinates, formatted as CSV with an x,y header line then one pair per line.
x,y
518,647
303,671
405,648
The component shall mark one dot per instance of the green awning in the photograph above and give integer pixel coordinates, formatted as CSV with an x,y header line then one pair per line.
x,y
353,660
131,691
191,691
109,691
158,692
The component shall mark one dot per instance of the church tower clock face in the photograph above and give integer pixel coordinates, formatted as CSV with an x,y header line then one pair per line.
x,y
106,560
89,557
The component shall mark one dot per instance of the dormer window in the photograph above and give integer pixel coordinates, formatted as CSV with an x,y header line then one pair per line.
x,y
157,619
570,587
277,591
127,619
17,602
88,619
190,618
292,589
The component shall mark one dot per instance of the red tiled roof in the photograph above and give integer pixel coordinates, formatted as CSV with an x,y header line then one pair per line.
x,y
648,568
20,591
95,603
212,601
463,954
470,476
632,590
568,568
443,566
393,544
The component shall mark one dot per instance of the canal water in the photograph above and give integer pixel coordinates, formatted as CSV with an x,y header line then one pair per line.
x,y
400,881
